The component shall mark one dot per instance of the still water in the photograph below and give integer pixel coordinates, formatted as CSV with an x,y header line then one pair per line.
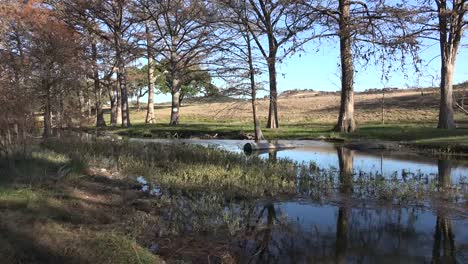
x,y
327,156
297,230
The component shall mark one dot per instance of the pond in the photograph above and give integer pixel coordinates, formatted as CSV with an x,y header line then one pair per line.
x,y
330,208
327,155
296,232
301,230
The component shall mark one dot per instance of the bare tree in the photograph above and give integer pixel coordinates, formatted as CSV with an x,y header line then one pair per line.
x,y
367,30
151,78
280,22
187,39
444,21
238,52
116,18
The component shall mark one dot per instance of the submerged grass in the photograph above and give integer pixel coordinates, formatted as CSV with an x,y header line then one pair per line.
x,y
192,168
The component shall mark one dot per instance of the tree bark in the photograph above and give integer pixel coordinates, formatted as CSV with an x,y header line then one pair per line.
x,y
446,120
118,105
124,96
47,112
113,102
175,106
100,122
175,84
346,122
257,128
151,79
273,109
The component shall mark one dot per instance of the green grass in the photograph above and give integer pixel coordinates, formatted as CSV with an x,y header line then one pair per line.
x,y
47,219
420,135
193,168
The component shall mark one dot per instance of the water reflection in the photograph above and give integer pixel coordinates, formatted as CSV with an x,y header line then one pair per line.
x,y
444,243
444,173
359,235
305,232
345,161
391,165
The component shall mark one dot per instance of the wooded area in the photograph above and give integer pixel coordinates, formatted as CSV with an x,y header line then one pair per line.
x,y
95,168
63,60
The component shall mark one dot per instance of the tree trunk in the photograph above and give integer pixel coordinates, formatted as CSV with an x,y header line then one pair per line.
x,y
273,110
446,120
451,25
118,105
121,88
138,103
47,112
81,103
175,107
151,79
113,102
60,112
257,128
346,122
124,97
100,122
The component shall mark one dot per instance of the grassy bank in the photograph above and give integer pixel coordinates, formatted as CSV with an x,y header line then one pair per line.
x,y
416,135
410,119
54,210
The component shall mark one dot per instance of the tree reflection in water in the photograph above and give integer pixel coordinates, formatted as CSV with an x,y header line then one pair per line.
x,y
271,231
345,161
444,244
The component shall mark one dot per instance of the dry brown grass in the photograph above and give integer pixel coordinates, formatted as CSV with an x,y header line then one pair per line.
x,y
405,106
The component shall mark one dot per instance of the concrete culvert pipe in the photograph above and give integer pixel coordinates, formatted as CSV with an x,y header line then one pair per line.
x,y
256,146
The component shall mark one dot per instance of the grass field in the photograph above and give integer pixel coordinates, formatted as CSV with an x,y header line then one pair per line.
x,y
410,116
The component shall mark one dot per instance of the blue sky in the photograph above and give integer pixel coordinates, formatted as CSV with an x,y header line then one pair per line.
x,y
319,70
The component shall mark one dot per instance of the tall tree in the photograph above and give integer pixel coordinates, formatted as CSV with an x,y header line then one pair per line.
x,y
445,22
280,22
53,54
239,51
151,78
116,17
367,30
187,37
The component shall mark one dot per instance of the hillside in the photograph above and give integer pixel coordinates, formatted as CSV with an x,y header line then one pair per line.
x,y
400,106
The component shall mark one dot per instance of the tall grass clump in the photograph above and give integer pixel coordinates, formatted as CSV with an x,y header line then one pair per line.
x,y
192,168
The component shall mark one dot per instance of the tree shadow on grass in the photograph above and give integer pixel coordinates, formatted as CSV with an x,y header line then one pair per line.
x,y
67,220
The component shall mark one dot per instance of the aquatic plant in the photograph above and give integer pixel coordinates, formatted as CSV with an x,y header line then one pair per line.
x,y
193,168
